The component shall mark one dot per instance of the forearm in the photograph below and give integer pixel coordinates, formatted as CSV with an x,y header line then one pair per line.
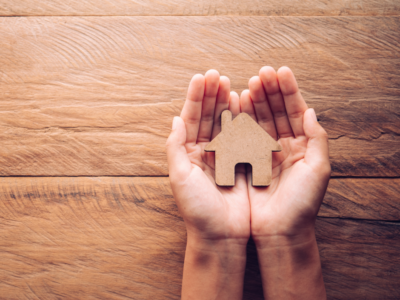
x,y
214,269
290,267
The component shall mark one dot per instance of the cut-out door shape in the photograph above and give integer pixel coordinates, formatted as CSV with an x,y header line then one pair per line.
x,y
242,140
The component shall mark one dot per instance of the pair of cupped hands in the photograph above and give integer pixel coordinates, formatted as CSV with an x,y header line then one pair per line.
x,y
300,172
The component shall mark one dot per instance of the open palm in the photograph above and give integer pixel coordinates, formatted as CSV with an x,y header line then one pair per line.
x,y
280,217
301,170
210,212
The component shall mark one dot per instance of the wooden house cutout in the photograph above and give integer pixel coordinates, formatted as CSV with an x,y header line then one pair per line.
x,y
242,140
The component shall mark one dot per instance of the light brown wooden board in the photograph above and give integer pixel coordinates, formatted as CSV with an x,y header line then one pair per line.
x,y
70,88
97,61
123,237
130,140
368,199
359,260
242,140
364,255
203,8
89,239
75,99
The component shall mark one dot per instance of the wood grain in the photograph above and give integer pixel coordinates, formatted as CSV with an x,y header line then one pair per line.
x,y
198,8
364,199
83,241
367,199
92,96
119,238
130,140
353,246
95,61
359,258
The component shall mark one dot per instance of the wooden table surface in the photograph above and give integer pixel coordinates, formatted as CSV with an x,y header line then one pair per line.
x,y
88,90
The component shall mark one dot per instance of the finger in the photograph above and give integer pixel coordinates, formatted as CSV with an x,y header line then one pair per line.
x,y
234,104
246,104
261,106
294,102
191,111
317,153
270,83
207,113
179,164
222,104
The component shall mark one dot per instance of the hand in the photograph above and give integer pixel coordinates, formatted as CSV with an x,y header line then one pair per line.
x,y
210,212
217,218
283,214
301,171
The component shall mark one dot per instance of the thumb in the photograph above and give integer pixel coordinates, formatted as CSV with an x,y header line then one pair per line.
x,y
179,164
317,153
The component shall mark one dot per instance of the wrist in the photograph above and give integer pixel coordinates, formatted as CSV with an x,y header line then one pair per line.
x,y
290,266
213,267
288,239
283,232
294,251
217,240
226,249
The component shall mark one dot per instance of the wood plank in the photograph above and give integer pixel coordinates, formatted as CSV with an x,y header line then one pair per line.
x,y
359,258
363,138
92,96
103,60
130,140
198,8
123,237
365,199
81,240
368,199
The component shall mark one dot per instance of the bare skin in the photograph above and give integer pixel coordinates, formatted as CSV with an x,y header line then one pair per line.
x,y
280,217
283,214
217,219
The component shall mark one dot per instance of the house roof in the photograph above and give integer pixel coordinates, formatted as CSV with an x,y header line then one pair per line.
x,y
242,129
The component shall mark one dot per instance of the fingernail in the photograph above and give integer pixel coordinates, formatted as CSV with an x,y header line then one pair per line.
x,y
314,115
174,123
